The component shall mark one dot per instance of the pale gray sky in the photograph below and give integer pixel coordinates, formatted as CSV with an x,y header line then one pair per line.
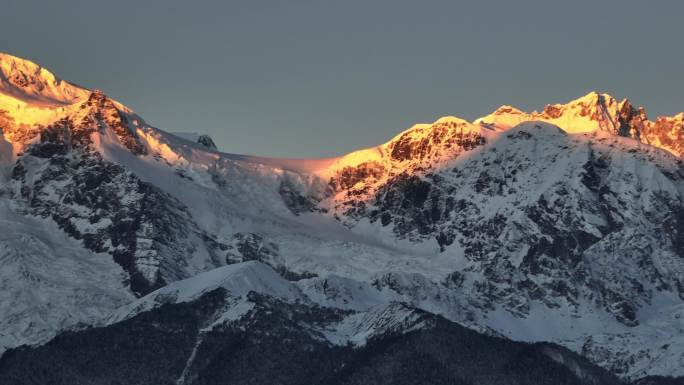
x,y
321,78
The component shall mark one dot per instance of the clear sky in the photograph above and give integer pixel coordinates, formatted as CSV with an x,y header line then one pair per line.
x,y
320,78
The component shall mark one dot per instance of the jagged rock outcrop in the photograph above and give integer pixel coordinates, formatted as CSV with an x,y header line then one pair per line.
x,y
206,141
597,111
104,114
254,247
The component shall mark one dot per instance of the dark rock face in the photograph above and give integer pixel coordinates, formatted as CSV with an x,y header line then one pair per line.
x,y
253,247
552,111
674,228
11,131
350,176
6,121
278,343
294,200
441,136
667,132
407,196
148,232
106,114
630,120
23,80
206,141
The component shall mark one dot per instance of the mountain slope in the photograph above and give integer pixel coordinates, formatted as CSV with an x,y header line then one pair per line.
x,y
561,226
49,282
230,334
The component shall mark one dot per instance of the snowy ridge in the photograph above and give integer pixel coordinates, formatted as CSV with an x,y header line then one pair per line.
x,y
31,83
359,328
561,225
598,111
367,319
238,280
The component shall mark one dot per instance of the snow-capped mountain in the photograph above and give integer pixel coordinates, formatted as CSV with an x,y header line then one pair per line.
x,y
596,111
562,226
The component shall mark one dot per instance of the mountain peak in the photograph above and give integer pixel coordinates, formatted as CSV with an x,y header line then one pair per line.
x,y
206,141
593,97
450,120
592,103
597,111
27,81
507,109
503,118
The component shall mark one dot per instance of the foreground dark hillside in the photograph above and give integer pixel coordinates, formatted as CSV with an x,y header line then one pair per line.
x,y
269,346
